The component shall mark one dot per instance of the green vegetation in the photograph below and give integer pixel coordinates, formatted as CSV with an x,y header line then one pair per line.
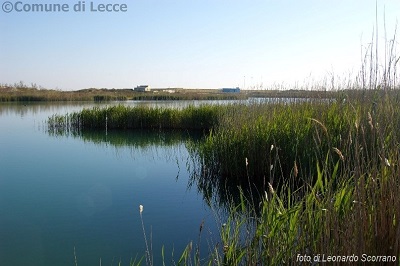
x,y
314,177
123,117
277,138
331,180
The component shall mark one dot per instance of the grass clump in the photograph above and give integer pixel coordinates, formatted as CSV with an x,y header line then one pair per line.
x,y
340,214
283,143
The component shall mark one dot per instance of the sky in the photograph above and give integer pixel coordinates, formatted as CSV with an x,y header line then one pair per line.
x,y
189,43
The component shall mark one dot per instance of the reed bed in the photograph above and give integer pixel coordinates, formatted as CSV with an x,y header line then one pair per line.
x,y
322,180
122,117
283,142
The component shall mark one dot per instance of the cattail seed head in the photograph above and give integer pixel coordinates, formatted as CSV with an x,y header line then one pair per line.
x,y
370,121
271,189
295,169
339,153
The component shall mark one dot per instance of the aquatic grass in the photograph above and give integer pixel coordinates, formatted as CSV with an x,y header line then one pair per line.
x,y
301,133
329,220
149,258
341,198
250,133
122,117
133,262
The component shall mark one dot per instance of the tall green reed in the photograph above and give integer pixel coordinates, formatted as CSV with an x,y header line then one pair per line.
x,y
124,117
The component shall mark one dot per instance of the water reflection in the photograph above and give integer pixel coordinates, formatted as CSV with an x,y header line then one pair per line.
x,y
216,191
131,139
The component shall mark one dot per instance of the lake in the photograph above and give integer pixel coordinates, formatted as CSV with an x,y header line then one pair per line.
x,y
63,197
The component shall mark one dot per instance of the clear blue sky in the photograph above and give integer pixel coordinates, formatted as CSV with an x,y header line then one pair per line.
x,y
189,43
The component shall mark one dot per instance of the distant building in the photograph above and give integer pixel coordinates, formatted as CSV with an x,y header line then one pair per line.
x,y
236,90
142,88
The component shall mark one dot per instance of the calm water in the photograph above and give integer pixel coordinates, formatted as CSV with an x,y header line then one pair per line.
x,y
59,193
